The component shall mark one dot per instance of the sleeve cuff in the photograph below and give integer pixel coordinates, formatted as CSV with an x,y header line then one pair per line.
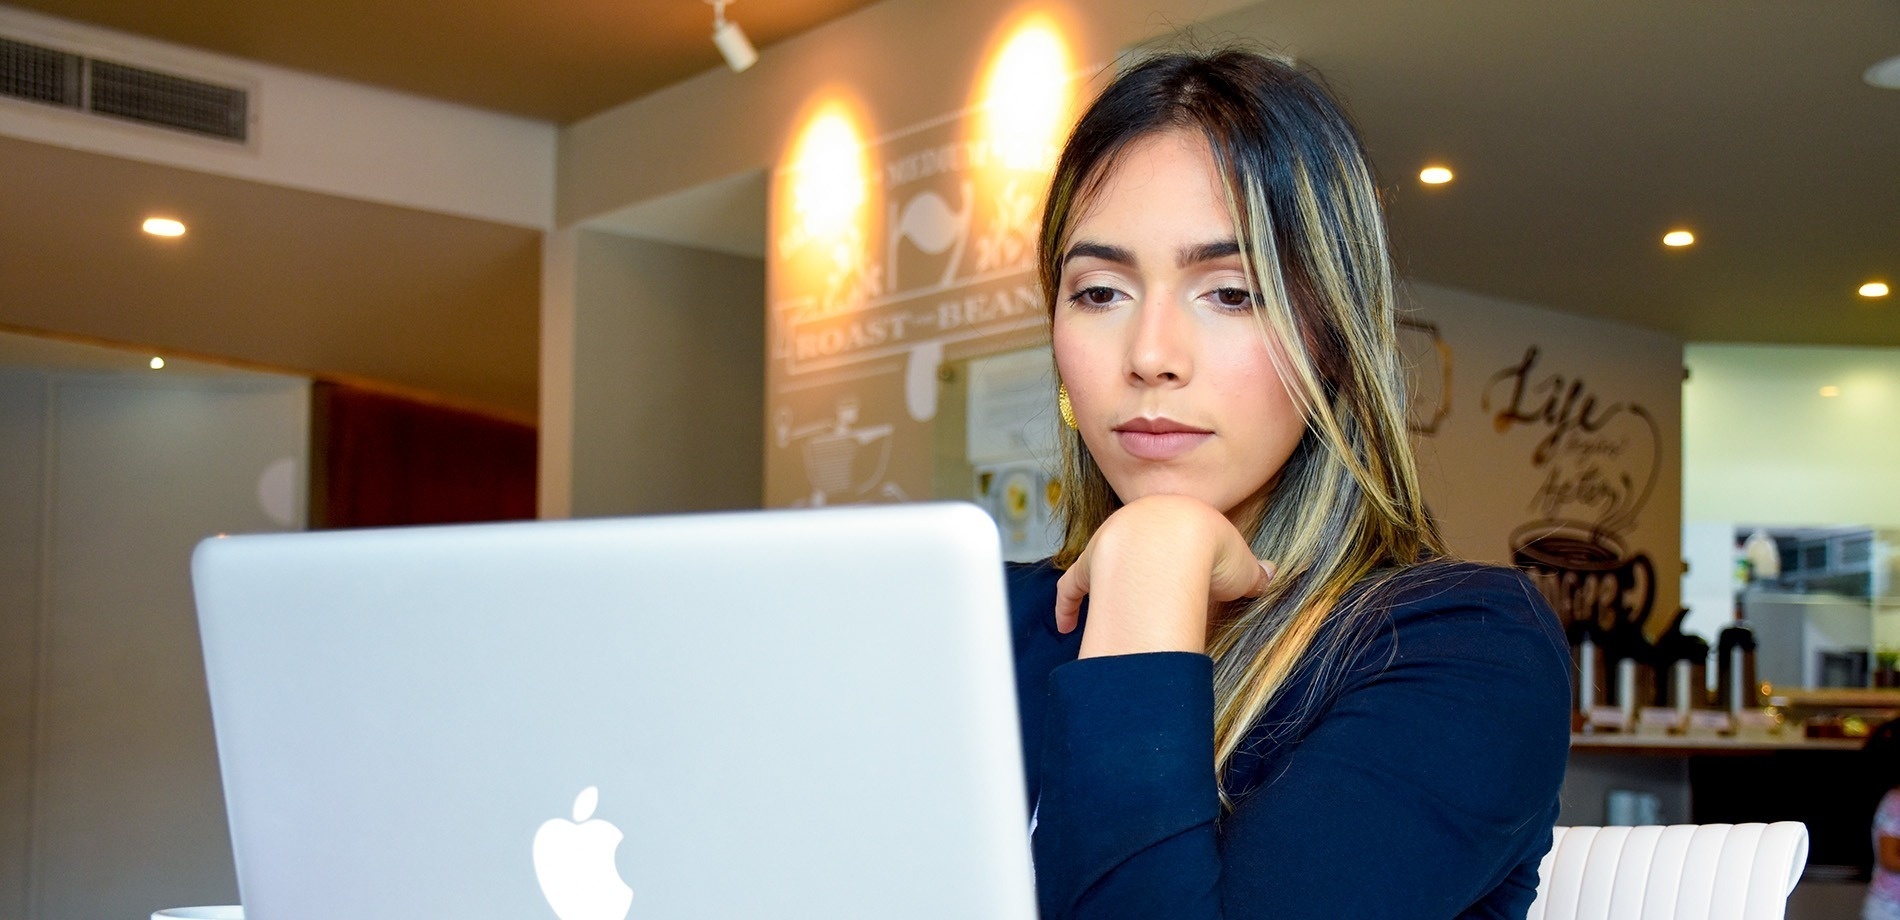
x,y
1127,762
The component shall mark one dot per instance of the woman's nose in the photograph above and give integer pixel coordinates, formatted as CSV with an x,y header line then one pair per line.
x,y
1160,347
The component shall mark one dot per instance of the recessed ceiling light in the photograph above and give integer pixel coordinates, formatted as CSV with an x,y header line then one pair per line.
x,y
1830,392
1885,75
157,362
1874,289
163,226
1678,238
1434,175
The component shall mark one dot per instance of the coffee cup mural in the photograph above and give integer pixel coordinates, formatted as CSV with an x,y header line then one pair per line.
x,y
1599,460
1587,575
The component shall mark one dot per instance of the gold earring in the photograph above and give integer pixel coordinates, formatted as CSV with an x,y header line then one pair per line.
x,y
1063,406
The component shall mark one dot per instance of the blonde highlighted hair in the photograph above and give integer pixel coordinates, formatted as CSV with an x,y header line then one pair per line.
x,y
1346,508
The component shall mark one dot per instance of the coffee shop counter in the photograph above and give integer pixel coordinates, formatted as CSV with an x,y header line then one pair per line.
x,y
1676,745
1709,778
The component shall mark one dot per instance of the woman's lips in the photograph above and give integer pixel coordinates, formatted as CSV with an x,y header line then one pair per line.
x,y
1148,439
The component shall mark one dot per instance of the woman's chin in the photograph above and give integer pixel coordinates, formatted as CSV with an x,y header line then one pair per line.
x,y
1185,490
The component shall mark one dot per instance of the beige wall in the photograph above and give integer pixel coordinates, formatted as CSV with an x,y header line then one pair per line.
x,y
1602,455
668,346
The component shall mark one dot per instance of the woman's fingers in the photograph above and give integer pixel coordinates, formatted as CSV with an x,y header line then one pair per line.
x,y
1237,572
1267,571
1071,588
1237,576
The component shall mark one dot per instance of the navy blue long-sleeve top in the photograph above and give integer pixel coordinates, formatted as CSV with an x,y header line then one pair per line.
x,y
1420,782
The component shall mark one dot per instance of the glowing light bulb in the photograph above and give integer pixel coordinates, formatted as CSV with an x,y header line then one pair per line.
x,y
157,362
1434,175
831,176
1026,96
1678,238
1830,392
1874,289
163,226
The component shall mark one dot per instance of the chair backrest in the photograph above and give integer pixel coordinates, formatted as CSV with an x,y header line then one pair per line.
x,y
1680,872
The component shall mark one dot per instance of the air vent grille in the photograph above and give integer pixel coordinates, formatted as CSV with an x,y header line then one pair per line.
x,y
122,91
39,74
168,101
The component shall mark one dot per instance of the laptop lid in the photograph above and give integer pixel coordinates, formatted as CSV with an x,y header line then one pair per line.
x,y
794,714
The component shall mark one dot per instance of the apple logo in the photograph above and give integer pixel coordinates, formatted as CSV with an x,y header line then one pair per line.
x,y
574,862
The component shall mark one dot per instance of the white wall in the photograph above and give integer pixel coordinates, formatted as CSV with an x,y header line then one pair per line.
x,y
1708,587
311,133
1762,445
110,798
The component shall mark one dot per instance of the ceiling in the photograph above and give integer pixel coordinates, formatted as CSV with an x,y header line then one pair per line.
x,y
279,278
556,61
1580,133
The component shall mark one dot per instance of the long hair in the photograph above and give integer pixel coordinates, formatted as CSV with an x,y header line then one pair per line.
x,y
1346,508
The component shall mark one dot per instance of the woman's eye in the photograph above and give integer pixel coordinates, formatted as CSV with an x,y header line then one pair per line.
x,y
1234,298
1094,297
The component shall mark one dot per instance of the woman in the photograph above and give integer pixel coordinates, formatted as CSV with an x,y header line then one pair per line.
x,y
1882,753
1358,728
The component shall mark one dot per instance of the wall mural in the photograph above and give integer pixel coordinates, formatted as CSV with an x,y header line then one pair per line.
x,y
1428,375
1598,461
893,255
855,358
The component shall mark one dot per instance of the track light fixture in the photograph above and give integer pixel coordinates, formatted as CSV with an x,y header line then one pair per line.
x,y
731,40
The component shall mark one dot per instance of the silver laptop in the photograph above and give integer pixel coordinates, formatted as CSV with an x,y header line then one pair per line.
x,y
796,714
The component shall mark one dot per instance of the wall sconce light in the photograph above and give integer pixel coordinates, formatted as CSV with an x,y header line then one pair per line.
x,y
731,40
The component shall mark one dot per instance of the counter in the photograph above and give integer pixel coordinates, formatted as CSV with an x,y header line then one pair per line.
x,y
1705,778
1641,743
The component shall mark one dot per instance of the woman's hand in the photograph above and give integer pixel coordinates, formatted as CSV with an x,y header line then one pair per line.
x,y
1152,570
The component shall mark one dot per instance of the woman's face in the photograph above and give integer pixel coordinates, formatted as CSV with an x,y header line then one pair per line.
x,y
1175,390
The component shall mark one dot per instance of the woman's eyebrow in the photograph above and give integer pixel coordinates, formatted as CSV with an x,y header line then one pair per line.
x,y
1102,251
1207,252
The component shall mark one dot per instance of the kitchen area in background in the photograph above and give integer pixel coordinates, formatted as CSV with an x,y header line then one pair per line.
x,y
1791,511
1791,531
1821,603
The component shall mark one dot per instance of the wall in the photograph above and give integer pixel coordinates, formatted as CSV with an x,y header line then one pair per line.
x,y
110,801
668,378
312,133
1767,448
1591,440
22,493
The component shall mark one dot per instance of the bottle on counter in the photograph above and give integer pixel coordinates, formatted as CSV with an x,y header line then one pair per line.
x,y
1682,669
1736,687
1587,657
1628,694
1684,684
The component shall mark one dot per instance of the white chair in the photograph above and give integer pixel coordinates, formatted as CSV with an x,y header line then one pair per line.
x,y
1681,872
